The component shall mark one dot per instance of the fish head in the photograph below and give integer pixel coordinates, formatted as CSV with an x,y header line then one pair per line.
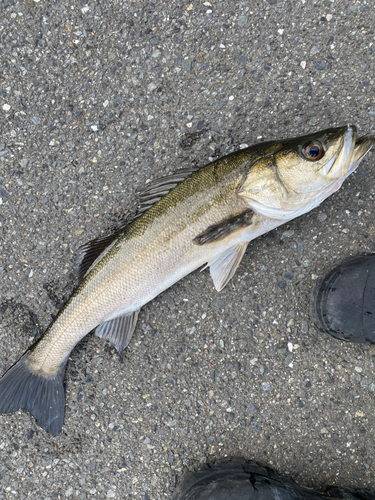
x,y
291,177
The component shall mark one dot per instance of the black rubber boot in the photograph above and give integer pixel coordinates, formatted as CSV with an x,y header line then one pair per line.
x,y
241,480
344,300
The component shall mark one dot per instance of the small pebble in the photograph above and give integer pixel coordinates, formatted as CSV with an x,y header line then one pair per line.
x,y
242,20
187,65
288,359
287,234
365,382
253,409
320,65
321,217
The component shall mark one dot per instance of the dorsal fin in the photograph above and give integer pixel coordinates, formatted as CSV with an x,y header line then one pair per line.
x,y
90,253
158,188
93,251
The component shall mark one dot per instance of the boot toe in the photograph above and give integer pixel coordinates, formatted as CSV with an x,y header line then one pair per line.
x,y
344,300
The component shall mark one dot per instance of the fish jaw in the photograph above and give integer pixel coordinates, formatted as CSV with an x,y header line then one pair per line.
x,y
362,146
339,168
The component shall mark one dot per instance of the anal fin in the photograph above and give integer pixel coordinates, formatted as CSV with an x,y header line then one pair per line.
x,y
119,330
224,267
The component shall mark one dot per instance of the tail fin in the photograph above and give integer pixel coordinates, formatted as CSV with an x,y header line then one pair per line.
x,y
43,397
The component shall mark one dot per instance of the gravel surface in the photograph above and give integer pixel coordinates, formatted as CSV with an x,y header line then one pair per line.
x,y
97,98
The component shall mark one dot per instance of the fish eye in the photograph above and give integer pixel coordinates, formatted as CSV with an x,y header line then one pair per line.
x,y
313,151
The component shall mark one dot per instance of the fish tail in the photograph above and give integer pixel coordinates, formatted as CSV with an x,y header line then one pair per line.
x,y
43,397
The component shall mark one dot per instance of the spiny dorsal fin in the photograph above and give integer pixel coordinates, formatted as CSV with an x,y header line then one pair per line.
x,y
119,330
158,188
219,231
90,253
223,268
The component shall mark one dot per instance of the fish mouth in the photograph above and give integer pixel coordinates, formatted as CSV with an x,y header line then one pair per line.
x,y
351,153
362,146
338,166
346,160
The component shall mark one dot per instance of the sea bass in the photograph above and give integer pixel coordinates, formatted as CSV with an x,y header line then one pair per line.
x,y
196,217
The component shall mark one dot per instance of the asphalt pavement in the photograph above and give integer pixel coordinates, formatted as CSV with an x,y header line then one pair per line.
x,y
96,99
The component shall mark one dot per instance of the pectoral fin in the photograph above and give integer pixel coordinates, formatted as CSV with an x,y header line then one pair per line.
x,y
223,268
118,331
227,226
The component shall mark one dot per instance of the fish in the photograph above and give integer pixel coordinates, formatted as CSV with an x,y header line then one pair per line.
x,y
196,217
